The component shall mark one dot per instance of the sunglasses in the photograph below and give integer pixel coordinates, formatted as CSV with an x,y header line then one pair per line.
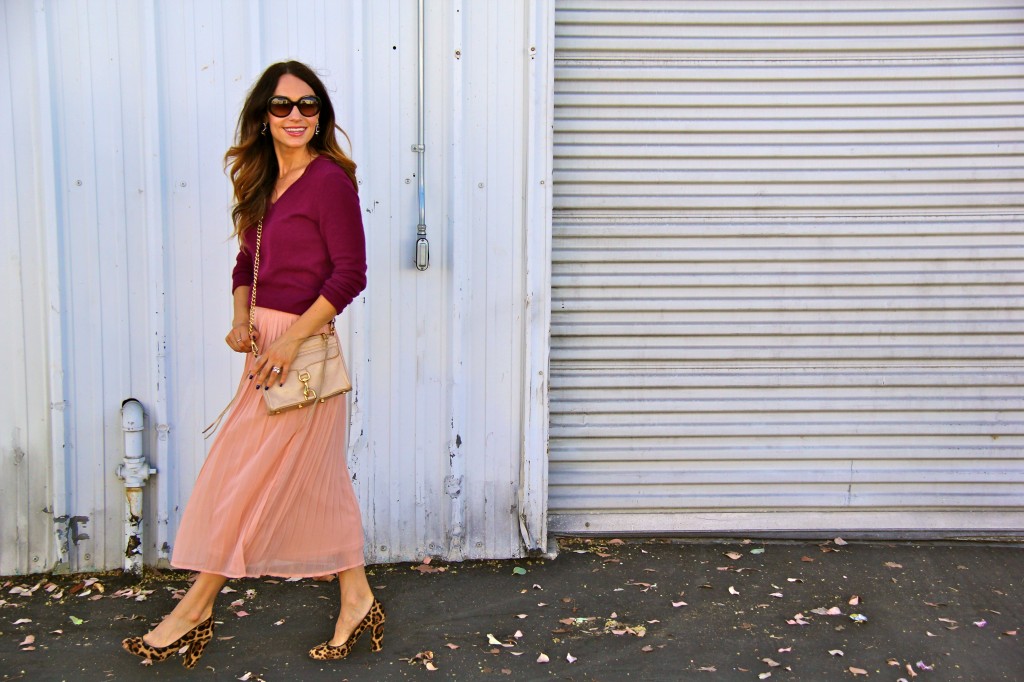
x,y
282,106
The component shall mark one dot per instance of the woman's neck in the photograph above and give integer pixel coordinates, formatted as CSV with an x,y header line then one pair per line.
x,y
291,160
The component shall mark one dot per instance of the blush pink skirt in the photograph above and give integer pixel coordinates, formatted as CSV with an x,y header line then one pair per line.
x,y
274,496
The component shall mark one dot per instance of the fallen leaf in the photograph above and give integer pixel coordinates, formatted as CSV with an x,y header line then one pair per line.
x,y
785,650
854,600
759,550
893,564
858,618
492,640
76,620
429,666
922,666
764,676
22,620
1010,633
518,634
981,623
279,622
839,541
571,658
858,671
771,663
543,658
451,646
245,677
647,649
519,570
807,559
734,555
28,640
241,614
614,541
733,590
708,669
777,595
677,604
836,652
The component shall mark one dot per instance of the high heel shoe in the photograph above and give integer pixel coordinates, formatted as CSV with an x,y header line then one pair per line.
x,y
191,644
374,619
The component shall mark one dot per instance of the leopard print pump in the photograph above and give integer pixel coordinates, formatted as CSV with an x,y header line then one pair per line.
x,y
374,619
191,645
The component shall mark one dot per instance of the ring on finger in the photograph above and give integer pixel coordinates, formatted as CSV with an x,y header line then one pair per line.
x,y
275,370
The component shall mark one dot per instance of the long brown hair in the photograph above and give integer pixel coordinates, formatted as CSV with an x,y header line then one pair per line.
x,y
252,161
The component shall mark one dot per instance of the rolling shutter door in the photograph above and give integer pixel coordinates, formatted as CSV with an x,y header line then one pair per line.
x,y
788,266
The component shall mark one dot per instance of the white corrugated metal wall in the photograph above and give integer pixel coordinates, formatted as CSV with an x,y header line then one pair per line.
x,y
122,259
787,270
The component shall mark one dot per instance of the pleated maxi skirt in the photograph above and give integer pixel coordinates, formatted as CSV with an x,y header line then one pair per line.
x,y
274,496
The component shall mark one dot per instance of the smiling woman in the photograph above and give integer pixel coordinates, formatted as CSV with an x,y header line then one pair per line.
x,y
274,496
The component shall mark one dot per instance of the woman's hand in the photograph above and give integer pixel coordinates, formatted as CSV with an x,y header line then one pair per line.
x,y
238,338
273,362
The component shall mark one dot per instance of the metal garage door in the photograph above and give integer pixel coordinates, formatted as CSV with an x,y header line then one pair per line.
x,y
787,268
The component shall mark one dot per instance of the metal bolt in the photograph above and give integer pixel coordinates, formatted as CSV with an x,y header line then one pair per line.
x,y
542,182
458,53
383,548
480,185
35,559
407,181
88,557
183,184
78,182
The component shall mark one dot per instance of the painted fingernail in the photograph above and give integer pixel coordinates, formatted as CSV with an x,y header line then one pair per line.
x,y
266,388
250,376
257,387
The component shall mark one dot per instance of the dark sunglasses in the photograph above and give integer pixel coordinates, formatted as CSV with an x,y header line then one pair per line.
x,y
282,106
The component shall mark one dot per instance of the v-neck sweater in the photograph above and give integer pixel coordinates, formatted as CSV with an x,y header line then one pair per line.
x,y
312,244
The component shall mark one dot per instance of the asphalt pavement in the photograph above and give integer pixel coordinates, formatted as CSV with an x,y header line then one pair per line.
x,y
604,609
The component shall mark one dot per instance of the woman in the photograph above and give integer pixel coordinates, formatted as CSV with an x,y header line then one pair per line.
x,y
274,496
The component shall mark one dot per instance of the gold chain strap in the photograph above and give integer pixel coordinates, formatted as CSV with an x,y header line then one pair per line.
x,y
252,297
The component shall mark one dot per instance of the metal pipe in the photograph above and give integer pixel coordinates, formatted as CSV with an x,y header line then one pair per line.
x,y
422,245
134,471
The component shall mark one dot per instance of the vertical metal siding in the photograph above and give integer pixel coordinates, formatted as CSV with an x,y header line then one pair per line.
x,y
26,491
787,263
144,98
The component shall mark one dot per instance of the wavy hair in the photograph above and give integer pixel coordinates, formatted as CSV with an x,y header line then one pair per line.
x,y
251,161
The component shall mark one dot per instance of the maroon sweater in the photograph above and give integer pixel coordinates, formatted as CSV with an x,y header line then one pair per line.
x,y
312,244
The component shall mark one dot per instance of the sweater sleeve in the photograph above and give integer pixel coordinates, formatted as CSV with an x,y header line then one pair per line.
x,y
341,225
241,275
